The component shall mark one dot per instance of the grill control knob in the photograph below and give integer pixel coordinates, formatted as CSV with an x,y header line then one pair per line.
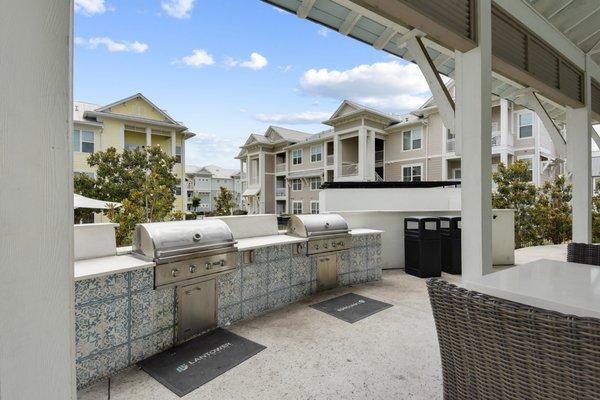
x,y
175,272
193,269
333,244
222,263
208,265
316,247
197,237
325,245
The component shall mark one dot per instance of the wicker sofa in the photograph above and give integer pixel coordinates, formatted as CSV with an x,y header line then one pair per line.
x,y
584,253
496,349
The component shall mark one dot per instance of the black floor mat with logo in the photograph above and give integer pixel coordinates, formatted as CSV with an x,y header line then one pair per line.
x,y
190,365
351,307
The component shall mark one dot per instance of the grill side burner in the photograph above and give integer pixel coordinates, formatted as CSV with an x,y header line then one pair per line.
x,y
188,256
325,232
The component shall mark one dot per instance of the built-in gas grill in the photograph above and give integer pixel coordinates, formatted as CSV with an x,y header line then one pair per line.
x,y
327,235
188,256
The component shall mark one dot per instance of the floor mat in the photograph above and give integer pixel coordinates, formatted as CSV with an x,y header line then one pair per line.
x,y
351,307
190,365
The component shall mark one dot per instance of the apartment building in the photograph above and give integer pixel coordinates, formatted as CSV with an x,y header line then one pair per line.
x,y
128,124
205,184
283,174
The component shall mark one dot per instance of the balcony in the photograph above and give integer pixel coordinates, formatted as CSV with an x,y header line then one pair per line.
x,y
379,156
330,159
280,192
350,169
496,139
450,146
280,167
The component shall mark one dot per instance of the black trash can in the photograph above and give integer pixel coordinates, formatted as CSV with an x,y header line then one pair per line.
x,y
450,237
422,247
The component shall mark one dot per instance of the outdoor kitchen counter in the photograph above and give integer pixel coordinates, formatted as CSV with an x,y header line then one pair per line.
x,y
266,241
96,267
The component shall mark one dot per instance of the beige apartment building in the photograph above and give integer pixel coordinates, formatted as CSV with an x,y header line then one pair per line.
x,y
282,170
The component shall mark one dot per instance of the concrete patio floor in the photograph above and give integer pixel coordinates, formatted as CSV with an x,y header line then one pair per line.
x,y
311,355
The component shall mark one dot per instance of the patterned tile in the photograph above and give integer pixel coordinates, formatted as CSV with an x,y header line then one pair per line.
x,y
374,256
229,288
346,279
104,287
151,311
301,270
344,262
373,240
229,315
279,252
142,279
254,307
359,276
149,345
358,259
254,281
359,240
100,326
279,274
300,291
279,298
101,365
374,274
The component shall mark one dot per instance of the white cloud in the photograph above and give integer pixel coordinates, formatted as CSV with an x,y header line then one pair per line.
x,y
209,148
90,7
256,62
180,9
197,59
306,117
323,32
111,45
390,86
285,68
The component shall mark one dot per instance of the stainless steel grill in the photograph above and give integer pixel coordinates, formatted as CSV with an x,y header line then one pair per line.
x,y
188,256
325,232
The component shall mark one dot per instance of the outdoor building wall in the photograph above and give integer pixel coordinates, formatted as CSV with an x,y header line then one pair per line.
x,y
375,124
135,138
393,170
393,146
348,125
138,108
112,134
305,195
306,163
269,191
434,133
434,169
80,159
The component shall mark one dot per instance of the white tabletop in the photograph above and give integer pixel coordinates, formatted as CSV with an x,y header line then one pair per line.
x,y
569,288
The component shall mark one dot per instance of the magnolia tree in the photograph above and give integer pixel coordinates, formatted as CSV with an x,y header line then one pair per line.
x,y
224,202
142,180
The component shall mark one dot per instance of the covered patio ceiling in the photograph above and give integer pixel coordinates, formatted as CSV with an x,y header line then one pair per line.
x,y
363,20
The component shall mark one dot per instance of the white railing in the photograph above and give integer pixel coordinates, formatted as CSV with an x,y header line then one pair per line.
x,y
378,177
349,170
280,192
496,139
254,180
330,159
450,146
280,167
379,156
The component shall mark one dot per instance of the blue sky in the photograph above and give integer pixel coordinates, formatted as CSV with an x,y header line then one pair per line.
x,y
228,68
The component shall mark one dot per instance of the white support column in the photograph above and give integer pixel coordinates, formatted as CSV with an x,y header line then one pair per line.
x,y
473,111
183,183
173,143
122,138
37,338
336,156
362,153
579,164
148,137
261,183
504,131
371,156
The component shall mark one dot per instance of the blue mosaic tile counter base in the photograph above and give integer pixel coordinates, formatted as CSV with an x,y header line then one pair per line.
x,y
120,319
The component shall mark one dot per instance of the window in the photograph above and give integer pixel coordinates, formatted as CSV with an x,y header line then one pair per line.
x,y
83,141
315,183
131,146
456,174
411,140
178,190
89,174
297,157
411,173
297,207
529,162
314,207
525,125
178,154
316,153
296,185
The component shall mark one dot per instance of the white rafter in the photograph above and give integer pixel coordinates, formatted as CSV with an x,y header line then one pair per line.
x,y
349,23
305,8
384,39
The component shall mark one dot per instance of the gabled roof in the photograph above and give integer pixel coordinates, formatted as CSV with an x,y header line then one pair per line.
x,y
358,108
219,172
108,107
290,135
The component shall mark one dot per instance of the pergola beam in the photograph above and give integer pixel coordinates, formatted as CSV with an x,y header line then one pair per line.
x,y
349,23
305,8
385,38
436,85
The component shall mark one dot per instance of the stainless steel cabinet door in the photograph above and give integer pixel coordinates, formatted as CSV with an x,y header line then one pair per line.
x,y
327,272
197,308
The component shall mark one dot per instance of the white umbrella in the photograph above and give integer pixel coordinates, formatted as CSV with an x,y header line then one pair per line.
x,y
80,201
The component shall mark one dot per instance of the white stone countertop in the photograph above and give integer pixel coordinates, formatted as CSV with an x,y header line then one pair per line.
x,y
569,288
265,241
92,268
364,231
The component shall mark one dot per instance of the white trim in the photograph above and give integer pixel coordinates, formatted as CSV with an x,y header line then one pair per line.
x,y
301,156
318,206
320,145
518,115
412,139
411,175
417,158
294,202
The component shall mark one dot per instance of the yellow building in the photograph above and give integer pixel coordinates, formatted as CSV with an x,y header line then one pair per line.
x,y
128,124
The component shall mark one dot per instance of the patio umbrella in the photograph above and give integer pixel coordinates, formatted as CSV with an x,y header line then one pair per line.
x,y
80,201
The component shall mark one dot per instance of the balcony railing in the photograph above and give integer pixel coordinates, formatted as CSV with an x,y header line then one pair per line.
x,y
330,159
280,167
254,180
450,146
379,156
496,139
280,192
349,170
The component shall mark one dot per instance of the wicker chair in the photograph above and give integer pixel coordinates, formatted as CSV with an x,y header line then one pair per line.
x,y
583,253
496,349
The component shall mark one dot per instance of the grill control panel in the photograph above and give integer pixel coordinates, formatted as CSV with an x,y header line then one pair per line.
x,y
166,274
318,246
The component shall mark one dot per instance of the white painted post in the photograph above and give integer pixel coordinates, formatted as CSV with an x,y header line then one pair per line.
x,y
504,124
473,107
183,183
261,182
36,201
173,143
148,137
371,156
362,153
336,156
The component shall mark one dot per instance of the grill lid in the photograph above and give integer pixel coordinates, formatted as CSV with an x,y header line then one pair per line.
x,y
164,239
311,225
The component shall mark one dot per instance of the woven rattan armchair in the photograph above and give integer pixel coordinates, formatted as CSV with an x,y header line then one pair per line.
x,y
496,349
584,253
